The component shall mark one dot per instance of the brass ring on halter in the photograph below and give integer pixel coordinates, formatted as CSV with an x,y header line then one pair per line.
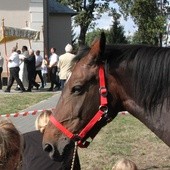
x,y
103,91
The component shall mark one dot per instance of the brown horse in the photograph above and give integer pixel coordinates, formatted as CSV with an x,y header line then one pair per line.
x,y
107,80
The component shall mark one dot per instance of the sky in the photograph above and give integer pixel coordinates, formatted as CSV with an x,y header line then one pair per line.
x,y
129,26
105,22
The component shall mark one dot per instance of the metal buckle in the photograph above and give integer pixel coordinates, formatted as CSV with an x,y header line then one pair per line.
x,y
103,108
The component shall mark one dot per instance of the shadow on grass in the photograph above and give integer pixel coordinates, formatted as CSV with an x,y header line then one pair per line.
x,y
156,167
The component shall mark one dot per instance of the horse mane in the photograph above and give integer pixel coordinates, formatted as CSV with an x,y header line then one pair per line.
x,y
82,51
151,71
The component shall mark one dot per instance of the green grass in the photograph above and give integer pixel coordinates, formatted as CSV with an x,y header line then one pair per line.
x,y
125,137
12,103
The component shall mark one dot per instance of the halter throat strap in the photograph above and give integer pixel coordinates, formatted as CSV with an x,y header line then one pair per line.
x,y
103,109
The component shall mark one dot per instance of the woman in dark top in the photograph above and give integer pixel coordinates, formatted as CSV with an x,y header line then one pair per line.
x,y
34,158
30,63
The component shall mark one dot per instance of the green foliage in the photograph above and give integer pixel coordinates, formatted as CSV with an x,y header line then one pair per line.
x,y
87,13
115,35
147,17
145,14
150,23
92,35
125,6
136,39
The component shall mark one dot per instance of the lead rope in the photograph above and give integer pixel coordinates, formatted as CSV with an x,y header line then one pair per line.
x,y
74,156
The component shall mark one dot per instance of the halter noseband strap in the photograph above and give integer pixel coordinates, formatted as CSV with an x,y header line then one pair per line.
x,y
103,109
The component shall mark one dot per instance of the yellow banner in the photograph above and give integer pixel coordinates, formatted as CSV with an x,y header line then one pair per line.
x,y
11,33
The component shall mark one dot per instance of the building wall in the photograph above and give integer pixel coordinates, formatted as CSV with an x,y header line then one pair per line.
x,y
15,15
36,22
19,11
59,32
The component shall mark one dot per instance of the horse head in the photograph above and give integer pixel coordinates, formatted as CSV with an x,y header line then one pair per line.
x,y
80,101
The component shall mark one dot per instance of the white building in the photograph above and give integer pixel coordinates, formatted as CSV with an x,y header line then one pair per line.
x,y
47,16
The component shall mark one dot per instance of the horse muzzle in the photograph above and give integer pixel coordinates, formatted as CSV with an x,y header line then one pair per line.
x,y
58,151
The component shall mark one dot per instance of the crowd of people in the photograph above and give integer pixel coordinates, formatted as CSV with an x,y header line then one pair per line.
x,y
24,66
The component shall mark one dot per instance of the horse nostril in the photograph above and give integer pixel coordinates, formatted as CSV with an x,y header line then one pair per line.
x,y
48,148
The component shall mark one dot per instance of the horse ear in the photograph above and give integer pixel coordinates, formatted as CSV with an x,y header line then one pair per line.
x,y
102,45
97,49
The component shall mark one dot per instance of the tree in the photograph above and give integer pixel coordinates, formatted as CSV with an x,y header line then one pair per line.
x,y
87,12
115,35
148,17
73,38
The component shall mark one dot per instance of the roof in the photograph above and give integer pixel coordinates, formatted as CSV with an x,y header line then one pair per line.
x,y
57,8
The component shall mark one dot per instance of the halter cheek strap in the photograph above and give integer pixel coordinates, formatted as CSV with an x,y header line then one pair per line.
x,y
103,109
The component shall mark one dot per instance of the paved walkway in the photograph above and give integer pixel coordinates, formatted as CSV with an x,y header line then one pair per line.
x,y
26,123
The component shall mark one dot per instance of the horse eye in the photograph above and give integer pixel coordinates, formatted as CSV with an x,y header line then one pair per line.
x,y
77,89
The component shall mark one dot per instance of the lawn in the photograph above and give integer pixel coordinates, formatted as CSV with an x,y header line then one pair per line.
x,y
11,103
125,137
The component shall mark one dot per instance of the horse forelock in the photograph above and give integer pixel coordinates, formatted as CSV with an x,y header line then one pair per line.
x,y
151,71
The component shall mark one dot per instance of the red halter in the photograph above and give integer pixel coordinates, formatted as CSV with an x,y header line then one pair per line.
x,y
103,109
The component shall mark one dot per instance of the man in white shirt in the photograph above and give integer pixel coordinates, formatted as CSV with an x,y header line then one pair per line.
x,y
1,69
38,63
53,60
13,65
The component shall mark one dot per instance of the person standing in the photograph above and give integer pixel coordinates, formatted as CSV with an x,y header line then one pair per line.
x,y
30,64
44,71
1,69
13,65
65,64
23,75
38,63
53,60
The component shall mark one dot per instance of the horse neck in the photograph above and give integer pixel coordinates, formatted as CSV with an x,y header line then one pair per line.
x,y
158,121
